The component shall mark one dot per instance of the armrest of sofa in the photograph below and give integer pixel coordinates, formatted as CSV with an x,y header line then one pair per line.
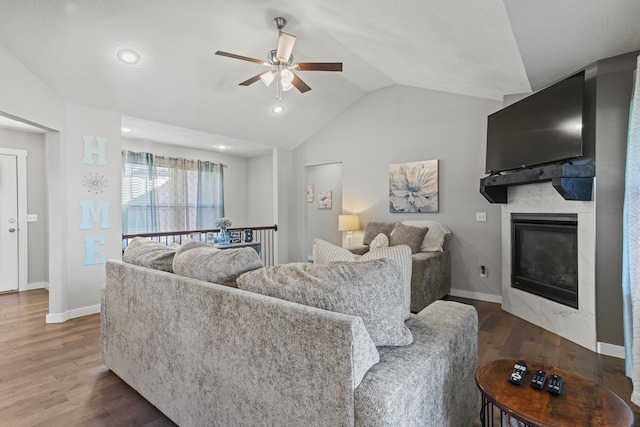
x,y
430,382
430,278
358,250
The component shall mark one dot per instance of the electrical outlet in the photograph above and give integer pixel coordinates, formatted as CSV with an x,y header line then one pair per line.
x,y
483,271
481,216
32,217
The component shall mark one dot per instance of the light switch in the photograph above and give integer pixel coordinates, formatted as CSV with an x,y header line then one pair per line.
x,y
32,217
481,216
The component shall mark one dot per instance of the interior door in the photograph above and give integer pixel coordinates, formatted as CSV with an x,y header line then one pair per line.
x,y
8,223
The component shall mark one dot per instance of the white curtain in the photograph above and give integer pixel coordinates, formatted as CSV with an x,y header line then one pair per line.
x,y
169,194
631,245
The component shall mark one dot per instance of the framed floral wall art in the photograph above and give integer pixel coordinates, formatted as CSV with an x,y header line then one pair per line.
x,y
413,187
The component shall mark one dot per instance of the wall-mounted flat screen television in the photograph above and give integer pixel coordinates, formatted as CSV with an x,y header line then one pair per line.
x,y
543,128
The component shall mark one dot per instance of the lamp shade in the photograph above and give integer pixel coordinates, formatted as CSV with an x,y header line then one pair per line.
x,y
348,223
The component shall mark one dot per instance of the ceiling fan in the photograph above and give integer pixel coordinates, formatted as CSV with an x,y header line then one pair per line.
x,y
281,63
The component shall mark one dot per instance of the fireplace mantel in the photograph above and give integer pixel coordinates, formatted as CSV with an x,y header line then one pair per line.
x,y
573,182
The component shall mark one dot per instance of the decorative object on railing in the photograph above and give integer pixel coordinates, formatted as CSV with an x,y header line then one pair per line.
x,y
256,237
224,224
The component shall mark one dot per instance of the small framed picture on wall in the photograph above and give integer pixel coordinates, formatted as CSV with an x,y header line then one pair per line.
x,y
324,199
310,193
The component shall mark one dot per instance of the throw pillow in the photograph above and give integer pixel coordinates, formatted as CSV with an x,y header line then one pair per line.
x,y
324,252
205,262
374,228
380,241
371,290
404,234
149,253
401,256
437,234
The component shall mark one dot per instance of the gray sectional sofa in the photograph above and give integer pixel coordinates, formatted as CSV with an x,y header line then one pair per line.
x,y
206,354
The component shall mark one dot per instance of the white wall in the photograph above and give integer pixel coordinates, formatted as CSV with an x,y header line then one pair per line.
x,y
402,124
323,223
235,174
83,280
24,95
33,143
283,196
260,210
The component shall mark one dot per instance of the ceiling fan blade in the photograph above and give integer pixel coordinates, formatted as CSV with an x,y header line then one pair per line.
x,y
299,84
318,66
285,47
244,58
251,81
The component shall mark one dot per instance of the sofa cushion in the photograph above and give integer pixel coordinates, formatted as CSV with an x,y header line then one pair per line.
x,y
325,252
380,241
374,228
149,253
205,262
435,237
371,290
401,255
403,234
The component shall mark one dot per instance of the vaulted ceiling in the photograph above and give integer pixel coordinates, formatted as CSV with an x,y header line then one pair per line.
x,y
181,92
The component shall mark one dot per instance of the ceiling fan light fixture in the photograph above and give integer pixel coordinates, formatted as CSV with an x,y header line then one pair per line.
x,y
282,65
286,76
267,78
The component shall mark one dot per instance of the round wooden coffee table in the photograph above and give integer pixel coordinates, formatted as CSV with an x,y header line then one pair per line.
x,y
581,403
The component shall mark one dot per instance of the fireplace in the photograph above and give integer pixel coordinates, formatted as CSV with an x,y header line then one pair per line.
x,y
544,258
575,324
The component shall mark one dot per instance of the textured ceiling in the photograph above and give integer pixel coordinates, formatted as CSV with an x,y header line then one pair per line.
x,y
484,48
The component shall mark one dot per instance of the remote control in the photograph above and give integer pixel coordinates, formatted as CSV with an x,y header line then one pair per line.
x,y
555,384
518,373
538,379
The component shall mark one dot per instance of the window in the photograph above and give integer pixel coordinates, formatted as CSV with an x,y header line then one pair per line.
x,y
168,194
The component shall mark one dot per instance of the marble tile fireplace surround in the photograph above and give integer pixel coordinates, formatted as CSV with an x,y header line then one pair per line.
x,y
577,325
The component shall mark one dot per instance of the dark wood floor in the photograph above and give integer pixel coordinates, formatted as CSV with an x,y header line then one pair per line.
x,y
52,374
504,336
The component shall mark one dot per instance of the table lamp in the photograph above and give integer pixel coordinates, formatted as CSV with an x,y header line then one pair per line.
x,y
348,223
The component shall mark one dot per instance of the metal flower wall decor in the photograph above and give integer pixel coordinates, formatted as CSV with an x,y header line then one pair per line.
x,y
413,187
95,183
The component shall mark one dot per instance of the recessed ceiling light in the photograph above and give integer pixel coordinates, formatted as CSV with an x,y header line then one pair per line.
x,y
128,56
221,147
125,129
277,109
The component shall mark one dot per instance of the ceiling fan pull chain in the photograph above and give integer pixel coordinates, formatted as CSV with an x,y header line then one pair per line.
x,y
279,88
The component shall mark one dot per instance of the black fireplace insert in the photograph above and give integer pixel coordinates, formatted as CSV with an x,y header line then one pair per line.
x,y
544,259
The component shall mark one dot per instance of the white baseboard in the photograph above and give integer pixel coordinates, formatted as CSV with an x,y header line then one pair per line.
x,y
72,314
37,285
476,295
611,350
